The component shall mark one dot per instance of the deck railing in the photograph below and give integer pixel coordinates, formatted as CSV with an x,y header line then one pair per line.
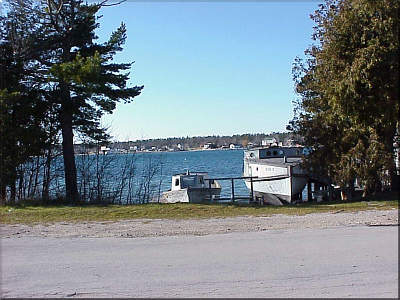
x,y
233,197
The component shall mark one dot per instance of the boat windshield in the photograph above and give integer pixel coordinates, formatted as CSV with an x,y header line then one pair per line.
x,y
188,181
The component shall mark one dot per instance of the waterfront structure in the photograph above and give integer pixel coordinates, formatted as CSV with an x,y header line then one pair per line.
x,y
191,187
280,178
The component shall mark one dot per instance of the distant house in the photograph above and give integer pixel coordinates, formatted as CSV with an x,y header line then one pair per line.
x,y
233,146
269,142
251,145
291,142
209,146
104,149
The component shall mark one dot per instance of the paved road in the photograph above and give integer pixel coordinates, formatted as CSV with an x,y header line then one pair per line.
x,y
336,262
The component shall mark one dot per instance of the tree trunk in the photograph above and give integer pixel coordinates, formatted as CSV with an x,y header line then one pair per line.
x,y
351,190
13,192
394,178
71,186
3,194
46,175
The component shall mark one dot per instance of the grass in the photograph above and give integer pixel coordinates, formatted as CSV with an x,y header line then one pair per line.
x,y
61,213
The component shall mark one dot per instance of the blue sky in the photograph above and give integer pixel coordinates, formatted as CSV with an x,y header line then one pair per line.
x,y
208,68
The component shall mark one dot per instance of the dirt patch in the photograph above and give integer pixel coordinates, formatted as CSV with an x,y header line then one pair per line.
x,y
162,227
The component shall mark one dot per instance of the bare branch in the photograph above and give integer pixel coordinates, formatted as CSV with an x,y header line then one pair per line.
x,y
61,4
104,3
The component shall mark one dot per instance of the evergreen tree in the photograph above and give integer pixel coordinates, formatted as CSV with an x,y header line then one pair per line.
x,y
76,76
22,104
88,83
348,87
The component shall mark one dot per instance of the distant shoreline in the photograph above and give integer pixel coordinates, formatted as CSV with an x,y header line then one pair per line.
x,y
162,151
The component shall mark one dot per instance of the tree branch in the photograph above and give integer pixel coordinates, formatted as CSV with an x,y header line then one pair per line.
x,y
104,3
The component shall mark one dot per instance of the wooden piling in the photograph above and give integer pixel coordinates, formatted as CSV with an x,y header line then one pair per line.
x,y
309,192
209,186
233,197
252,191
233,191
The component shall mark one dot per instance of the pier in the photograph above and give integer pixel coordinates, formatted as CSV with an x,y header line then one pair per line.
x,y
233,196
317,189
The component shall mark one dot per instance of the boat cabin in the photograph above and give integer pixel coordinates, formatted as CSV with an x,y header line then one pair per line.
x,y
189,180
276,152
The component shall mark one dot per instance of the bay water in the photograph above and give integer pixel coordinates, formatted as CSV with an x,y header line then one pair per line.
x,y
140,177
217,163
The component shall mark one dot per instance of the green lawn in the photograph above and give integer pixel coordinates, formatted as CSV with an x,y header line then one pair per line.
x,y
50,214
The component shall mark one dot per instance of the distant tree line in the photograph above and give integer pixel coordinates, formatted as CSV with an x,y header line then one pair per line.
x,y
347,108
197,142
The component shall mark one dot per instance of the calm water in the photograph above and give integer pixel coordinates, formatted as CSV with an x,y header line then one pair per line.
x,y
217,163
151,173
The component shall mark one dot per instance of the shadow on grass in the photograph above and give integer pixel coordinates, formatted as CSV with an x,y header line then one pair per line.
x,y
56,202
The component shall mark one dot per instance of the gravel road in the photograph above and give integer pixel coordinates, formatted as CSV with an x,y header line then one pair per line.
x,y
162,227
317,255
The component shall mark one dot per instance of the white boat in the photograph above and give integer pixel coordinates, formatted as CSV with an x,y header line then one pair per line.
x,y
191,187
280,178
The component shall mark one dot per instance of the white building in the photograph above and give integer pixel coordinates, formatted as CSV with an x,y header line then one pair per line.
x,y
233,146
269,142
104,149
209,146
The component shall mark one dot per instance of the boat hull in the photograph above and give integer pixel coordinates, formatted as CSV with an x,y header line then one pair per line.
x,y
192,195
280,191
276,179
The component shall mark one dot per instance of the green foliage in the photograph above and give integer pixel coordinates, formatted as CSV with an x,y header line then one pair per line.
x,y
22,108
88,82
348,88
58,78
79,71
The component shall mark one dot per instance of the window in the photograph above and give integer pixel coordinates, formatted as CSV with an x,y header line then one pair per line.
x,y
268,153
275,153
188,181
176,182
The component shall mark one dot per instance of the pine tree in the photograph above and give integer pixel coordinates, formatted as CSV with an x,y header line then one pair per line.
x,y
348,87
77,76
22,105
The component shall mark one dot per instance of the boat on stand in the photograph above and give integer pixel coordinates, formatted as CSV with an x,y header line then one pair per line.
x,y
191,187
279,176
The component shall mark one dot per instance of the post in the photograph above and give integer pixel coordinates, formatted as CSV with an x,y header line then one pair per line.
x,y
309,194
330,191
252,191
233,191
209,189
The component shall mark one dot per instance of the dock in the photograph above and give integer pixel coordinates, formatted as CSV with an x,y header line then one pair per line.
x,y
317,189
